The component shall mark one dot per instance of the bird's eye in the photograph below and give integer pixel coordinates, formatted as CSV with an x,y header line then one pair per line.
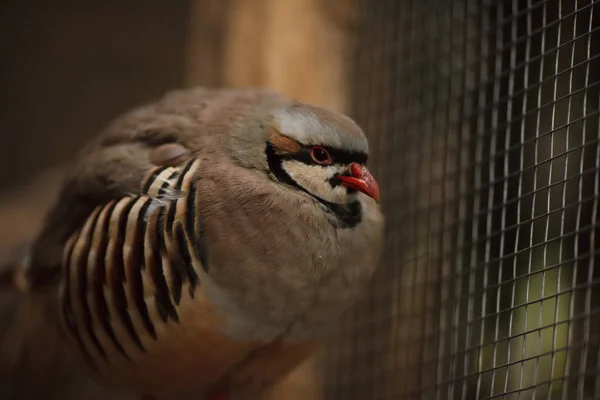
x,y
320,155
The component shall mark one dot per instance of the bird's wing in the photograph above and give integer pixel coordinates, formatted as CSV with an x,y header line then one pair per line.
x,y
134,300
113,165
116,162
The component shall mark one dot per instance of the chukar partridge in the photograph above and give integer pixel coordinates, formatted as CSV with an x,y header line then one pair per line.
x,y
203,243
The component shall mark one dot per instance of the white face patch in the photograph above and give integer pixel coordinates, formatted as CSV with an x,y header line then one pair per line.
x,y
315,179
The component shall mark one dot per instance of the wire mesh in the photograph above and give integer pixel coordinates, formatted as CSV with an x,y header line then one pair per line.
x,y
485,135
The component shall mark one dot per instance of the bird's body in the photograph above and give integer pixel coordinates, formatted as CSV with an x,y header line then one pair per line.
x,y
208,240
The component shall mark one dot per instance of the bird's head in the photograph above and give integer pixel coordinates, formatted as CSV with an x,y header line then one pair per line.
x,y
323,154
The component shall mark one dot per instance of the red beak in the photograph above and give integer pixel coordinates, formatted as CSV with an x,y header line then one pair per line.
x,y
361,179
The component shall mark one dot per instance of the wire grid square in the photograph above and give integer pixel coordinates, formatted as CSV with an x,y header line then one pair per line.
x,y
485,135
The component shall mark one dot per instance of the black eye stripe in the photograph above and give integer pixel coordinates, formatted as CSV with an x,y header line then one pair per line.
x,y
339,157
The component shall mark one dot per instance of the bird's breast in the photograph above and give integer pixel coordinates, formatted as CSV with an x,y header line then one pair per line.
x,y
280,266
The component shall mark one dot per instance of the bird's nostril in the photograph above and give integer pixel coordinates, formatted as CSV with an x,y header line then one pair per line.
x,y
356,170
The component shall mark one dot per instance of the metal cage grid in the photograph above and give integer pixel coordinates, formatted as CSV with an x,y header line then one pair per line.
x,y
485,135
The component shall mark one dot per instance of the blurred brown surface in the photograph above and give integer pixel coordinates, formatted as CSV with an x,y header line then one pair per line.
x,y
68,67
302,48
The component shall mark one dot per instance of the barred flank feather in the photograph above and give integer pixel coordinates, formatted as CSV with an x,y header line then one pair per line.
x,y
126,268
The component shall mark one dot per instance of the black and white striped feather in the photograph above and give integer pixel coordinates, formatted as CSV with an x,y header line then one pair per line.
x,y
125,271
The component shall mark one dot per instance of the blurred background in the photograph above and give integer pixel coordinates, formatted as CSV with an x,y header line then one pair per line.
x,y
484,130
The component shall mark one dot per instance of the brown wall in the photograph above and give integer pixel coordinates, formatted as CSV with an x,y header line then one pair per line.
x,y
70,66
